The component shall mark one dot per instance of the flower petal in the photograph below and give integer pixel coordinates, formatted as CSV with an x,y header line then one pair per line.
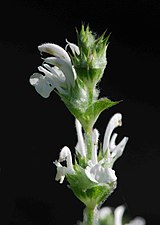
x,y
118,151
114,122
112,144
64,66
118,214
56,72
61,172
42,84
65,155
99,174
80,147
54,50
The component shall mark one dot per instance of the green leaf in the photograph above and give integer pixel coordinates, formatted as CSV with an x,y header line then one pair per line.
x,y
93,111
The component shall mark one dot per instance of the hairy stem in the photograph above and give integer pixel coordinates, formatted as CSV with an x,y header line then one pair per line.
x,y
90,216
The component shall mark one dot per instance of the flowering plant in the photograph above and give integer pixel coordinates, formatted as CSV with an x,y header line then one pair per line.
x,y
75,76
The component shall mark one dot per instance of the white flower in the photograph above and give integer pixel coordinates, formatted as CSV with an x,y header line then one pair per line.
x,y
113,151
118,214
99,174
105,212
98,171
65,155
101,171
57,71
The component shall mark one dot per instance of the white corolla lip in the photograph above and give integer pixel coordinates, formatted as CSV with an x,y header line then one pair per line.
x,y
51,78
99,174
54,50
43,85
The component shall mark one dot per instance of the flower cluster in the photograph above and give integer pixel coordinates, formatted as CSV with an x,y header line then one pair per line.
x,y
108,216
74,77
92,174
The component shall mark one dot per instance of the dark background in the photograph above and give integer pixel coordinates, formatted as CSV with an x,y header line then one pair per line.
x,y
33,129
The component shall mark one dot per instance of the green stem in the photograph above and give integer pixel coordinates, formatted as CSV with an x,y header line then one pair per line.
x,y
90,216
89,143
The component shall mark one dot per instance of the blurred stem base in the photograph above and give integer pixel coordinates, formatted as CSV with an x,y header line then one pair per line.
x,y
90,216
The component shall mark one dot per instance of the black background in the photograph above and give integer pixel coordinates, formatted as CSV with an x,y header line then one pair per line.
x,y
33,129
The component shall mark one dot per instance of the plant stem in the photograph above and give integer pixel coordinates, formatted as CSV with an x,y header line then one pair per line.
x,y
90,216
89,143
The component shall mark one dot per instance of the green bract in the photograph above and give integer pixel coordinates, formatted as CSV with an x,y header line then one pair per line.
x,y
90,193
91,61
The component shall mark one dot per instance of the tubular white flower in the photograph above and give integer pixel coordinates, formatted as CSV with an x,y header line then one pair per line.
x,y
80,147
60,76
113,151
118,214
65,155
54,50
74,48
